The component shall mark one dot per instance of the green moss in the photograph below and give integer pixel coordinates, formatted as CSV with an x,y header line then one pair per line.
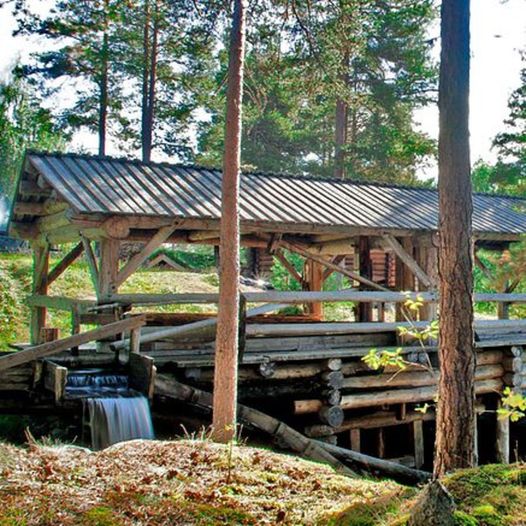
x,y
100,516
372,513
463,519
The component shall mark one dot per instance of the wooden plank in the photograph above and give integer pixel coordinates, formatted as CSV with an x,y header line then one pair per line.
x,y
65,262
299,297
408,260
308,329
58,302
138,259
142,372
47,349
55,377
191,327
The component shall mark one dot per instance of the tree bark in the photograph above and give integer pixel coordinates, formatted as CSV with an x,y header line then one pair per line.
x,y
145,75
103,85
225,372
152,81
455,439
340,138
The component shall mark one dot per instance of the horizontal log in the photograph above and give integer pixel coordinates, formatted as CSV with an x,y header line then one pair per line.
x,y
413,379
300,297
59,302
191,328
288,329
47,349
391,397
372,464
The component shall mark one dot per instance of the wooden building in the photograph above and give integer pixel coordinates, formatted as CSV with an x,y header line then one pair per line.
x,y
304,369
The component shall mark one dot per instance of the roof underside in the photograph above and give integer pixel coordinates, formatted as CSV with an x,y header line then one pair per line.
x,y
115,186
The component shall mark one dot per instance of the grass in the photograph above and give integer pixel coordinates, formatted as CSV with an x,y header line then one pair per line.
x,y
15,286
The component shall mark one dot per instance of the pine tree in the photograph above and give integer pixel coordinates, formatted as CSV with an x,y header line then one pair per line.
x,y
23,124
84,37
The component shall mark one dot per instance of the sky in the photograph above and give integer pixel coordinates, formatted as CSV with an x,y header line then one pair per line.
x,y
498,32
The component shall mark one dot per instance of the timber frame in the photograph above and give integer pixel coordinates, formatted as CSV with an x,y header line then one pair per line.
x,y
310,350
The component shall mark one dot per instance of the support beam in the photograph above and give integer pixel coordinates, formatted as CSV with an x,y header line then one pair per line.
x,y
92,263
136,261
289,266
328,264
336,260
365,310
108,268
314,279
404,256
66,261
47,349
40,286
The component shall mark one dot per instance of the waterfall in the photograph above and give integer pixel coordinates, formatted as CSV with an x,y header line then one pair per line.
x,y
118,418
116,412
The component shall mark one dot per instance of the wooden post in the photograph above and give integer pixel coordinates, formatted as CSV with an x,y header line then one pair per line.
x,y
356,444
314,279
40,272
418,435
405,279
503,440
108,267
224,415
365,310
135,341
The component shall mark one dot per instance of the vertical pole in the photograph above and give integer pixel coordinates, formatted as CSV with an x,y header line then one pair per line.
x,y
40,272
405,280
226,354
356,440
108,267
418,435
314,277
365,310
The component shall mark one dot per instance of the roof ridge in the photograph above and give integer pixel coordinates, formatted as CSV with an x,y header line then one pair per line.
x,y
257,173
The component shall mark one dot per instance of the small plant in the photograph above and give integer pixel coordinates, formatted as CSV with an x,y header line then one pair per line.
x,y
376,359
513,405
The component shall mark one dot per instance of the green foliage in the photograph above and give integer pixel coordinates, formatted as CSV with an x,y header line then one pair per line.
x,y
13,312
373,56
195,258
513,405
23,124
379,359
100,516
280,277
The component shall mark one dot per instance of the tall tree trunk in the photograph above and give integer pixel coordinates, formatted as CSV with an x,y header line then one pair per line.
x,y
456,420
152,80
340,138
103,86
340,128
145,74
225,372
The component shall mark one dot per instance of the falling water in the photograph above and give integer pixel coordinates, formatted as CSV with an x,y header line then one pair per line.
x,y
116,412
117,419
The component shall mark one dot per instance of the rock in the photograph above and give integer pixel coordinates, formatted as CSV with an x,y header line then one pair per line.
x,y
434,507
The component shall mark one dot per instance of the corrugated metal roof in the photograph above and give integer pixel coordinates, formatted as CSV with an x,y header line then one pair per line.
x,y
117,186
